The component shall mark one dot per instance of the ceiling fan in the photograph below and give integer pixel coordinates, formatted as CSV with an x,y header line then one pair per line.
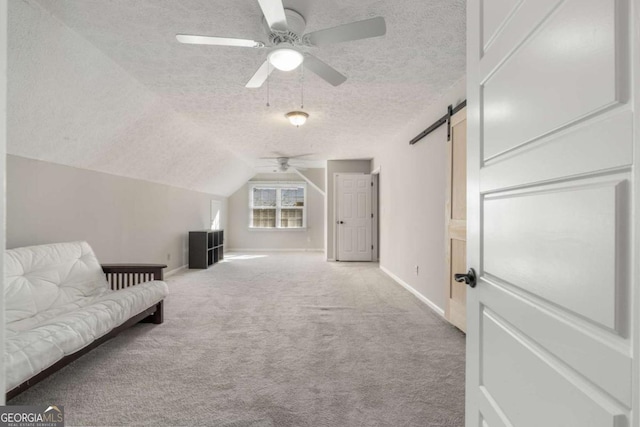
x,y
287,41
283,162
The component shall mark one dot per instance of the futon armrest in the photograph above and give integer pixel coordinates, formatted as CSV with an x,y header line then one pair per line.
x,y
122,276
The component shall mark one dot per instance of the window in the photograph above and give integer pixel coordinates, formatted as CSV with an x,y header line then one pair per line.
x,y
215,214
278,205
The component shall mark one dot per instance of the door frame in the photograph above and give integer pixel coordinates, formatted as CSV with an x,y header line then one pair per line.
x,y
375,210
3,158
635,245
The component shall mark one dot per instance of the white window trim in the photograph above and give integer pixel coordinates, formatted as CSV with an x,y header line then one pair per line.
x,y
278,185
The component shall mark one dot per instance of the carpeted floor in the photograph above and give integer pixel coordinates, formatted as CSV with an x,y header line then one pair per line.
x,y
272,340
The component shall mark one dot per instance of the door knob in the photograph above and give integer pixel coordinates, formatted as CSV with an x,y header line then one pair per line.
x,y
469,278
340,222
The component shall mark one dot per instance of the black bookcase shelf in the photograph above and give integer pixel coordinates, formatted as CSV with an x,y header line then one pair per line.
x,y
205,248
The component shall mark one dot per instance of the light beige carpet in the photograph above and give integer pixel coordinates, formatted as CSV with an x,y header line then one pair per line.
x,y
272,340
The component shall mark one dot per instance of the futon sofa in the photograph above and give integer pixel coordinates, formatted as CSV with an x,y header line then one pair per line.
x,y
60,303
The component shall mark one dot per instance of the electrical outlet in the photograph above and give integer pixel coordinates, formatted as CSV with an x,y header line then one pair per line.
x,y
417,270
168,257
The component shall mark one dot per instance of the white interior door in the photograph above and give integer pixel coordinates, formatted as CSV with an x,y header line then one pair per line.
x,y
353,219
550,335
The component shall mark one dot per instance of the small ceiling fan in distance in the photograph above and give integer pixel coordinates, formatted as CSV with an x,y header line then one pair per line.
x,y
284,163
287,42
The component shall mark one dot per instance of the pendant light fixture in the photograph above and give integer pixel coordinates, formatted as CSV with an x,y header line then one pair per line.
x,y
297,118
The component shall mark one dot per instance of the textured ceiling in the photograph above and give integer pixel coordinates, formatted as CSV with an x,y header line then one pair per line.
x,y
390,79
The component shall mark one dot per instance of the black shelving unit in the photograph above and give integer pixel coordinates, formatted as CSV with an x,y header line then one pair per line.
x,y
205,248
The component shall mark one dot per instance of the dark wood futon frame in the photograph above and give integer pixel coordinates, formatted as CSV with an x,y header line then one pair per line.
x,y
119,276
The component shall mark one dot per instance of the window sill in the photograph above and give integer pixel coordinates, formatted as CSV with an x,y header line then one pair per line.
x,y
276,229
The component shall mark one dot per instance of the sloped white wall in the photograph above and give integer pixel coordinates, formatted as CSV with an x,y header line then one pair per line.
x,y
412,202
317,176
71,104
124,219
240,236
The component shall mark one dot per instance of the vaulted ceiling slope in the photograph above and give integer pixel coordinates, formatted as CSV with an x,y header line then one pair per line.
x,y
103,85
71,104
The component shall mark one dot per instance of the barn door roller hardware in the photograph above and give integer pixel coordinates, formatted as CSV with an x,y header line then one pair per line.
x,y
442,120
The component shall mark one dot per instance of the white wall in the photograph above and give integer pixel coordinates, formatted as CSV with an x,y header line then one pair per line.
x,y
124,219
333,167
3,148
240,237
412,202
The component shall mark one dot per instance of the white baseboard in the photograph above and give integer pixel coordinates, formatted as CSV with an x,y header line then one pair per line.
x,y
408,287
274,250
175,271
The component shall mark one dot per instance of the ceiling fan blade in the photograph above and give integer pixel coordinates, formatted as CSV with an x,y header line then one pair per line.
x,y
285,156
217,41
324,71
273,11
301,155
373,27
260,76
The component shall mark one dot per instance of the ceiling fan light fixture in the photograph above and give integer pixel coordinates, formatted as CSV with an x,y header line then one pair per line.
x,y
286,59
297,118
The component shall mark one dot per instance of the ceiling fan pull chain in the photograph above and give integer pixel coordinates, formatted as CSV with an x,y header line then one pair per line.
x,y
268,78
302,86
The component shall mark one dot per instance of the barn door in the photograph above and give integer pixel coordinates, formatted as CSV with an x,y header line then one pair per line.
x,y
550,336
456,220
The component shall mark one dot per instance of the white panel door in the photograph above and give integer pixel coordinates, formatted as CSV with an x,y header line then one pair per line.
x,y
550,323
353,219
